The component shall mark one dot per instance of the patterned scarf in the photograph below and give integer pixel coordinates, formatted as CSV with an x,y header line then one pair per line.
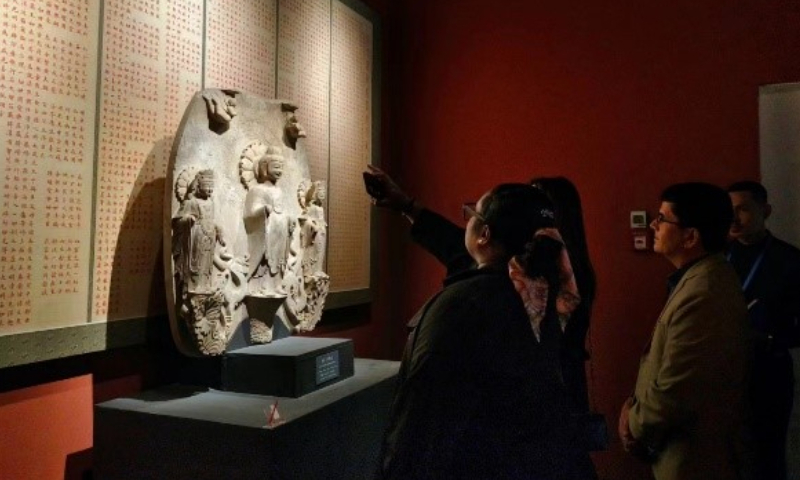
x,y
534,291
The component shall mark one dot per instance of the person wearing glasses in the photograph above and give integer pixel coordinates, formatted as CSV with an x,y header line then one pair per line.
x,y
686,414
445,241
476,397
769,269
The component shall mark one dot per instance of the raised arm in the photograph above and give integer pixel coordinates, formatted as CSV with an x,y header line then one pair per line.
x,y
439,236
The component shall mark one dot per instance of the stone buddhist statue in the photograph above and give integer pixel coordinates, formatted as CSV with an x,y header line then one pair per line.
x,y
195,232
268,225
245,230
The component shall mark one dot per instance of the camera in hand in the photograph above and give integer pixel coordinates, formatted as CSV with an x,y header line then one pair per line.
x,y
375,187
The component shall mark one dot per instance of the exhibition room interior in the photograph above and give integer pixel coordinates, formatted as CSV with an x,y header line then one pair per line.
x,y
449,97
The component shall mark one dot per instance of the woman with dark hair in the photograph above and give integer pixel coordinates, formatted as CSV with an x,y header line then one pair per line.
x,y
478,396
569,221
441,238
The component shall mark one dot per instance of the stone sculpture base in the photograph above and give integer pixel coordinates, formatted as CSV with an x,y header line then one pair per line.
x,y
194,433
291,367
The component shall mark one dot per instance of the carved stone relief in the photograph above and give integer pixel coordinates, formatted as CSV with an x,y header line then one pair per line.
x,y
292,129
245,230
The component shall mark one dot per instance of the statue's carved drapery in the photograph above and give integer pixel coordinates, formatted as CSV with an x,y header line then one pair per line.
x,y
268,224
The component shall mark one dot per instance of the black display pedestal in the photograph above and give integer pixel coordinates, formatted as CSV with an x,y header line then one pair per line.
x,y
188,433
290,367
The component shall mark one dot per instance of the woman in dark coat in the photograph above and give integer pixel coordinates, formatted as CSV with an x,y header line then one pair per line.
x,y
569,220
478,396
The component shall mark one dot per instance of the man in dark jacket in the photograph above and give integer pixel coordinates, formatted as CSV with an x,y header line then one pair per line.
x,y
769,270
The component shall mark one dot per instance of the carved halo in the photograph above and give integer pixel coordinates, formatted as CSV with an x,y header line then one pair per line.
x,y
184,182
247,162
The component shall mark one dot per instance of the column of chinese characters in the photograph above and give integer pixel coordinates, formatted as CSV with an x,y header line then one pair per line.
x,y
350,145
63,193
16,247
47,55
304,72
62,268
240,46
145,89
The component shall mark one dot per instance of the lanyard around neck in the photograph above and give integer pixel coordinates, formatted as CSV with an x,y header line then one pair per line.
x,y
755,266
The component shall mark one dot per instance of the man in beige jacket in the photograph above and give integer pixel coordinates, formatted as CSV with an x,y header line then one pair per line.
x,y
686,415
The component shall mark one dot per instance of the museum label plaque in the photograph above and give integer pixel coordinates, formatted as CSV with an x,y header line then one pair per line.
x,y
291,367
327,366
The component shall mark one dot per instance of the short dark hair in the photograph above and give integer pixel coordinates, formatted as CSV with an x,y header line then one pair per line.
x,y
757,191
514,211
702,206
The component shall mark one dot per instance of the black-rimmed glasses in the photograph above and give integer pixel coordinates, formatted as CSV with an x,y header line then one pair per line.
x,y
660,218
469,210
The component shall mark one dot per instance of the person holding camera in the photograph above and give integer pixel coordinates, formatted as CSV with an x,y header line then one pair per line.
x,y
478,396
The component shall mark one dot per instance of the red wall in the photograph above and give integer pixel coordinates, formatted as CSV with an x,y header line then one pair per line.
x,y
624,98
45,428
46,410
